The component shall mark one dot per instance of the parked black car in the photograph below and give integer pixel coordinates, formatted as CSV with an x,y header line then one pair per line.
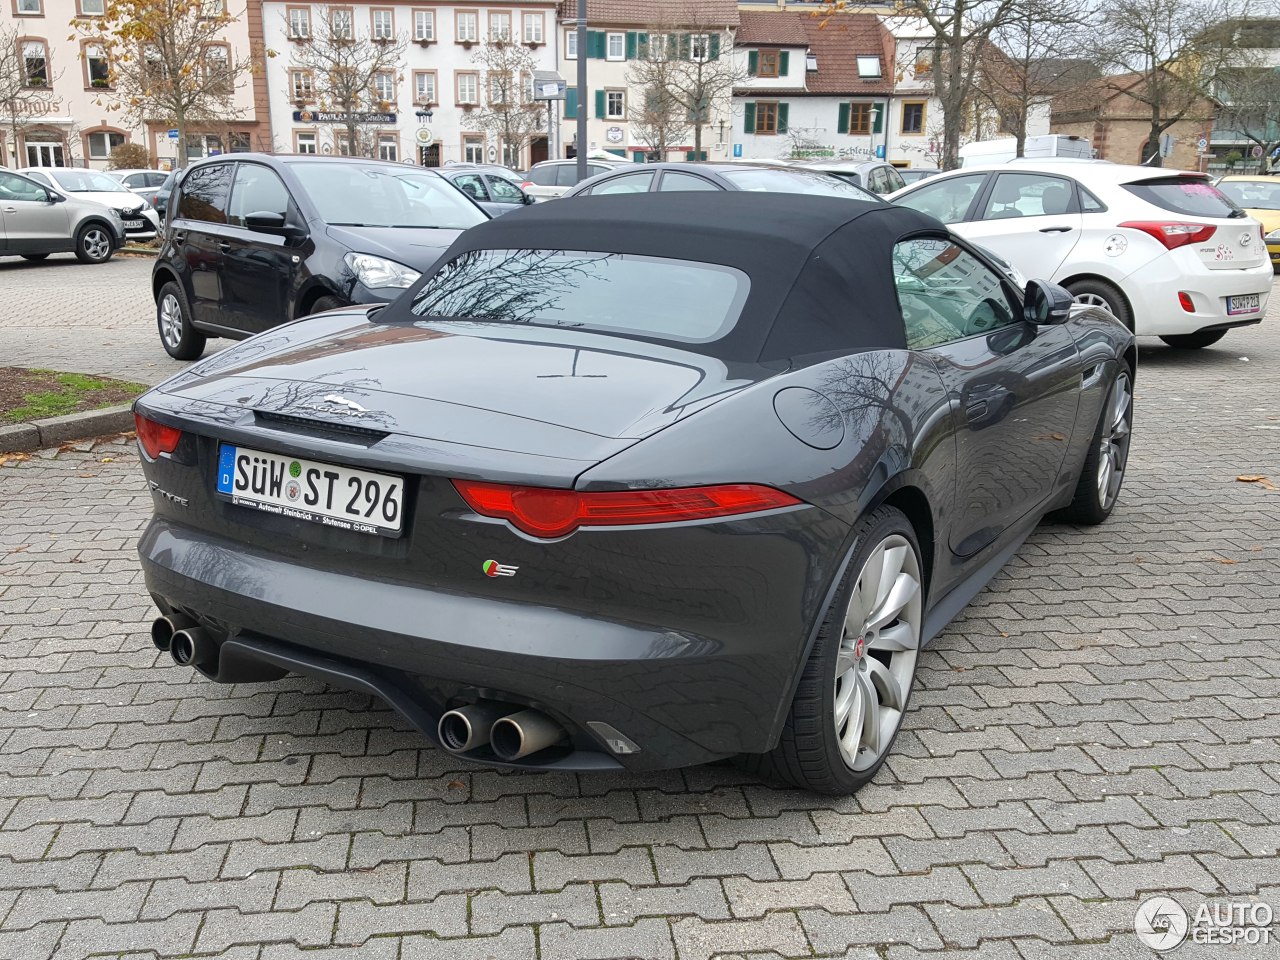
x,y
160,199
254,241
495,188
635,482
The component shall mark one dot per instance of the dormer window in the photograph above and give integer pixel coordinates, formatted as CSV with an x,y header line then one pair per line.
x,y
869,68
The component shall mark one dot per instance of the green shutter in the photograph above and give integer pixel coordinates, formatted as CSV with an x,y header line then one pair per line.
x,y
642,44
782,118
748,118
673,47
600,104
784,58
843,126
715,46
753,63
688,154
571,103
685,42
632,44
881,109
597,44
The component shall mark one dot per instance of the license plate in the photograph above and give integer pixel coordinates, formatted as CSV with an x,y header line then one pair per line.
x,y
323,493
133,224
1243,304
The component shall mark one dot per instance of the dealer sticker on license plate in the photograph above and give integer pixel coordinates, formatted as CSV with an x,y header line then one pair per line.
x,y
307,490
1248,303
133,224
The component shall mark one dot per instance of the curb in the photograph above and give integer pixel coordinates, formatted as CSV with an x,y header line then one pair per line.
x,y
140,251
37,434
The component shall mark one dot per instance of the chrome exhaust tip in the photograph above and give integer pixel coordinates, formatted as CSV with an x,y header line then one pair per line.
x,y
163,629
191,647
524,733
467,728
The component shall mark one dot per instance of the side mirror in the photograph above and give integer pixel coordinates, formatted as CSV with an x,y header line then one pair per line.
x,y
528,198
262,221
53,197
1046,302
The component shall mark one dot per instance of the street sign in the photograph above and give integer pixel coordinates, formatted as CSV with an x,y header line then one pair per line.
x,y
173,134
737,150
880,151
1203,144
1166,144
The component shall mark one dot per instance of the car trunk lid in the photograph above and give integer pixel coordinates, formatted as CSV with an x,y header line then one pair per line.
x,y
1235,240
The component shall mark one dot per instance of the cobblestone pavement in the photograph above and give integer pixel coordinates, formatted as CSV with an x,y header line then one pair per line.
x,y
1102,723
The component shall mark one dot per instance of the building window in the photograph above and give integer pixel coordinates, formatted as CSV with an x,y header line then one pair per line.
x,y
101,144
299,23
500,89
424,25
468,87
617,47
35,62
767,65
766,117
96,67
95,8
511,156
424,86
388,148
913,117
473,150
217,69
571,44
341,24
303,86
860,119
468,27
29,8
924,63
499,26
305,142
615,105
383,25
533,28
212,9
869,68
699,47
384,86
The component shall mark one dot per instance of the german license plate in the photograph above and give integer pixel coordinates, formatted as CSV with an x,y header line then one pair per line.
x,y
324,493
133,224
1248,303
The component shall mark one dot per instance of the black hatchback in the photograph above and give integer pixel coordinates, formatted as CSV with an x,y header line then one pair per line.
x,y
254,241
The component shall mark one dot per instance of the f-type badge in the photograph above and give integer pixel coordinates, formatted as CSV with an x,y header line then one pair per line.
x,y
343,401
492,568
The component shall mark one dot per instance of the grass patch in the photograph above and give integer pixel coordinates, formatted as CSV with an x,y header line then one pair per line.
x,y
36,394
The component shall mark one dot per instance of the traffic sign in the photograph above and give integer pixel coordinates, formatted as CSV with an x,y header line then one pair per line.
x,y
1203,144
737,150
173,134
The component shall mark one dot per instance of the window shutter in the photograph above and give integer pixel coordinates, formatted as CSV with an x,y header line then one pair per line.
x,y
685,40
632,42
783,59
881,109
673,47
748,118
753,63
688,154
844,119
571,103
600,104
642,44
782,118
597,45
715,46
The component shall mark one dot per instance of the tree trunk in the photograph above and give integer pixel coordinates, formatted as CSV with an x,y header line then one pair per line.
x,y
1152,151
180,121
697,135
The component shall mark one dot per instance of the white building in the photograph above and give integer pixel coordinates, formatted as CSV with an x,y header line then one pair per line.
x,y
438,75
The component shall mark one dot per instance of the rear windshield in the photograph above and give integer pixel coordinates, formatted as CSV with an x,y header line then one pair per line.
x,y
86,181
612,292
1191,196
1253,194
780,180
380,195
544,176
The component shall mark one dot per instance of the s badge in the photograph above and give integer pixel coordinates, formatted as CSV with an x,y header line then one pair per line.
x,y
492,568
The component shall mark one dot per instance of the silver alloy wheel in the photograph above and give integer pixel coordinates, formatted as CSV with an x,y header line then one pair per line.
x,y
878,651
96,243
1113,449
1093,300
171,320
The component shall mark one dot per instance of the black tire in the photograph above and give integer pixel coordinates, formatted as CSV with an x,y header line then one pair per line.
x,y
808,754
1089,506
1111,298
35,257
179,338
326,303
1194,341
94,243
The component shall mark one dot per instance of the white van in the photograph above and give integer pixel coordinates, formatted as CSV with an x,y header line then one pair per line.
x,y
1050,146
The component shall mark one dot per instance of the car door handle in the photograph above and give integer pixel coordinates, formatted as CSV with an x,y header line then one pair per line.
x,y
1055,229
179,238
224,246
10,209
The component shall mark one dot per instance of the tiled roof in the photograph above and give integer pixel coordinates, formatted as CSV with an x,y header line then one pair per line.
x,y
649,13
839,43
772,28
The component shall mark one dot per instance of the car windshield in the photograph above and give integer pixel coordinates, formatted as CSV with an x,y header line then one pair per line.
x,y
375,195
86,181
1253,194
1190,196
791,180
613,292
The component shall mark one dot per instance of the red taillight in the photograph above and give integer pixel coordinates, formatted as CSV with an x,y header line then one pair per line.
x,y
156,438
545,512
526,185
1184,299
1171,234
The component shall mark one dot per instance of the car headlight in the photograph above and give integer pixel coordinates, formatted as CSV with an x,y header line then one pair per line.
x,y
1274,234
115,214
375,272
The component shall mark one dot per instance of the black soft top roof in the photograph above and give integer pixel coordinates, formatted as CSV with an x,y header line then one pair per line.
x,y
820,267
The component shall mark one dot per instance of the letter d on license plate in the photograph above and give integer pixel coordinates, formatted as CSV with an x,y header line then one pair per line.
x,y
324,493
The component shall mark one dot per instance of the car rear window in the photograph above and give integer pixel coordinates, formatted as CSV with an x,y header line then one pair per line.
x,y
543,176
1253,194
612,292
1190,196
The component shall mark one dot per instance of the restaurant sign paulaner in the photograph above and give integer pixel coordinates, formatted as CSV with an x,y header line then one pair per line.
x,y
335,116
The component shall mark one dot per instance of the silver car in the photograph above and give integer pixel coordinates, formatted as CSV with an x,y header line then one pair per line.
x,y
36,221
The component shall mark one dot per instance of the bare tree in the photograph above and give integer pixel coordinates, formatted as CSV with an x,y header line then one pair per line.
x,y
509,113
23,86
168,61
348,72
663,121
1249,105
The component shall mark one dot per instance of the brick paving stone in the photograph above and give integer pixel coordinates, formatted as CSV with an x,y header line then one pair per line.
x,y
1102,723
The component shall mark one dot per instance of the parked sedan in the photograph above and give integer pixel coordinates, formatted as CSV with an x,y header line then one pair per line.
x,y
699,177
142,182
1259,197
139,220
516,502
36,220
1165,251
254,241
496,189
555,178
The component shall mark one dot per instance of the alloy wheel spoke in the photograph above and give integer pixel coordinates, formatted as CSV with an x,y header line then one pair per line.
x,y
904,589
886,684
864,593
846,697
895,639
851,733
846,659
871,728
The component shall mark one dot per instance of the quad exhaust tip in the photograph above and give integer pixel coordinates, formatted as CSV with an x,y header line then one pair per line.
x,y
192,647
524,733
468,728
163,629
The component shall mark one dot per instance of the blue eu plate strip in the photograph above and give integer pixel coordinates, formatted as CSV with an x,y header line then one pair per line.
x,y
226,466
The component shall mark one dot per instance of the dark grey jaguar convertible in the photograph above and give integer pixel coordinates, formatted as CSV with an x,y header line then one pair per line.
x,y
637,481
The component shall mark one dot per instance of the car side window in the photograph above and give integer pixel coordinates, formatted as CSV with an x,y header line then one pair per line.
x,y
135,180
567,175
946,293
948,199
504,191
875,181
684,182
544,176
257,189
472,184
1088,202
204,193
631,183
40,178
1027,195
20,188
893,180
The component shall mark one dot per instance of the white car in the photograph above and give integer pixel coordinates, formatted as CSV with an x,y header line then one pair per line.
x,y
554,178
140,221
1164,250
